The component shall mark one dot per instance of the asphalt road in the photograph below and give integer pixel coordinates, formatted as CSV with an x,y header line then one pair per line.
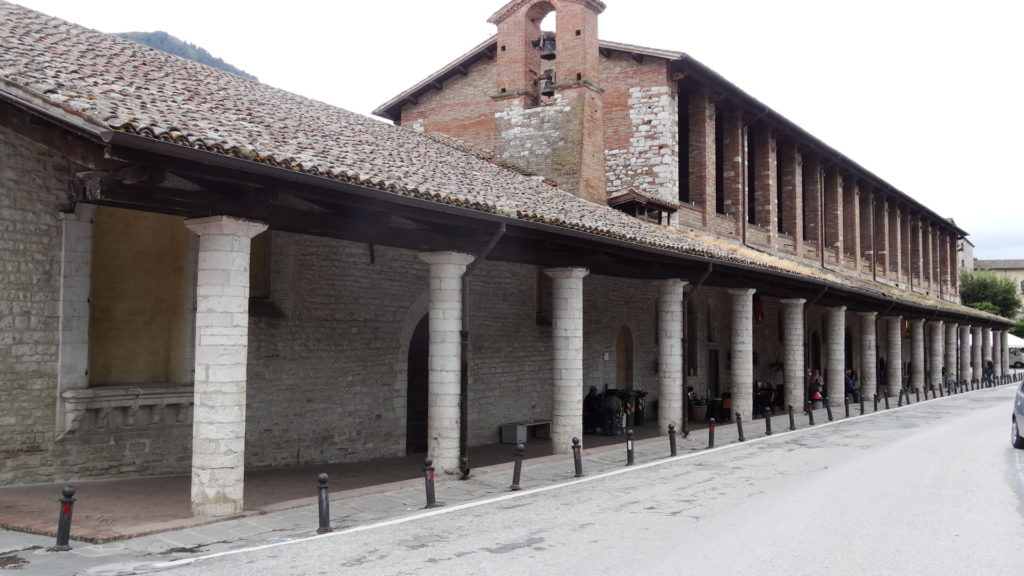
x,y
931,489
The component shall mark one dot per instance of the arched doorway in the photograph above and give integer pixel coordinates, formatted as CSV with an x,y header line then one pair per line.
x,y
417,390
624,359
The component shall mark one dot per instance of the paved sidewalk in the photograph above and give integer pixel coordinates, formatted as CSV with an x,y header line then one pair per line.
x,y
145,546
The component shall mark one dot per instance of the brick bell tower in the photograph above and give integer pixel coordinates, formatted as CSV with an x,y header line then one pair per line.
x,y
548,119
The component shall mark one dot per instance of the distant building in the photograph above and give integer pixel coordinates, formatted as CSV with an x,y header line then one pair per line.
x,y
1013,269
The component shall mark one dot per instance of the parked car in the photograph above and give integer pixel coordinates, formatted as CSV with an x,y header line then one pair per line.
x,y
1018,416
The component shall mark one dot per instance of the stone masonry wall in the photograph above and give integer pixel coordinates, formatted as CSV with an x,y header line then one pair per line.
x,y
640,127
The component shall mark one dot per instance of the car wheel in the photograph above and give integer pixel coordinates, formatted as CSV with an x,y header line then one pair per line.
x,y
1015,438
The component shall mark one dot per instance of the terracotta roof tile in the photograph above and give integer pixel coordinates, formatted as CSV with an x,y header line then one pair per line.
x,y
107,81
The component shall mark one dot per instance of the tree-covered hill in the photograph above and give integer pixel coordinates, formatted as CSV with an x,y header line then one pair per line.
x,y
167,43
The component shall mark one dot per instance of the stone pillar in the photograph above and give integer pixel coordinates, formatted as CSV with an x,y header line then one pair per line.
x,y
965,354
935,355
670,354
222,345
444,373
986,346
1005,355
567,345
997,350
951,356
793,351
868,351
916,354
741,369
75,291
894,363
976,353
835,345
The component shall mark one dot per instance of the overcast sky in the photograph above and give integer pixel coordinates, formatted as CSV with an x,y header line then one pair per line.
x,y
925,95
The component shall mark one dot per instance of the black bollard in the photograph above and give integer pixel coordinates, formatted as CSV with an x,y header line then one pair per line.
x,y
629,447
810,414
917,395
828,409
672,439
942,393
886,397
67,506
846,405
862,404
711,433
792,422
739,427
577,457
428,479
767,423
324,505
518,468
876,401
899,401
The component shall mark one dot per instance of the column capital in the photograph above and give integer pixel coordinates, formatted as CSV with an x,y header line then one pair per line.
x,y
671,283
567,273
869,314
225,226
793,301
459,258
739,292
838,309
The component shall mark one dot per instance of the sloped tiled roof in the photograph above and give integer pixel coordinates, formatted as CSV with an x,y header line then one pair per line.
x,y
103,82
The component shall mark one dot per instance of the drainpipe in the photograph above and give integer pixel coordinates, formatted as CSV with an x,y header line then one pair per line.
x,y
686,300
464,355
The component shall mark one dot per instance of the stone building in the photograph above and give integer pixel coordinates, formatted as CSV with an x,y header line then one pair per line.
x,y
203,273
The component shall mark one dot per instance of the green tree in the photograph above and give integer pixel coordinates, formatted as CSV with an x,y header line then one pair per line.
x,y
986,291
1018,328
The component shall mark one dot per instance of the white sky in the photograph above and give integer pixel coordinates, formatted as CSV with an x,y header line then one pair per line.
x,y
925,95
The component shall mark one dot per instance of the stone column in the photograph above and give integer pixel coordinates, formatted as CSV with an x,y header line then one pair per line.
x,y
976,353
868,351
670,354
965,354
1005,355
835,345
742,367
75,292
793,351
567,345
894,363
935,355
997,350
986,346
951,355
222,345
916,354
444,373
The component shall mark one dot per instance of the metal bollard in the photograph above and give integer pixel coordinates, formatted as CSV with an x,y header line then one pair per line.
x,y
942,393
862,404
876,402
577,457
739,427
899,401
917,395
767,423
428,479
711,433
629,447
886,397
792,422
67,506
810,414
846,405
828,409
518,468
672,439
324,505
